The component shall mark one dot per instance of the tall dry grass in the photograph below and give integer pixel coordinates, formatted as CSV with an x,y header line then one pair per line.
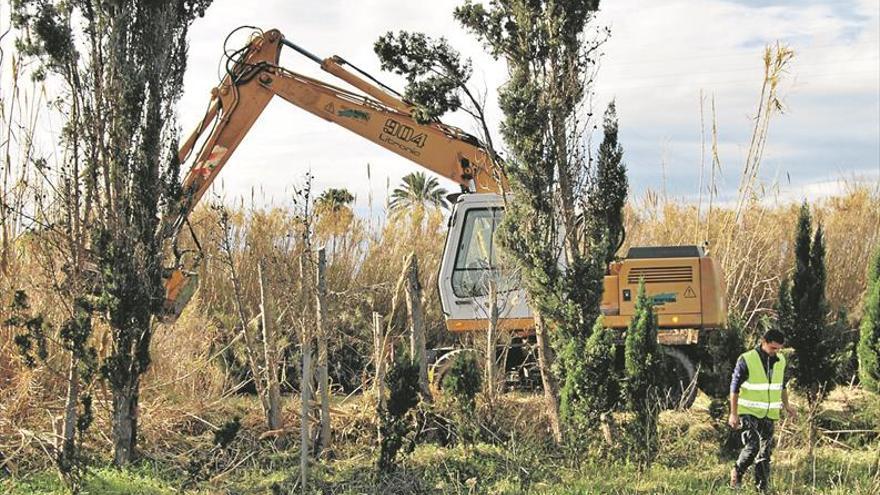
x,y
757,254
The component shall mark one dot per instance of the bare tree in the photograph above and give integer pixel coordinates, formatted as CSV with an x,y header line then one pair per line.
x,y
270,353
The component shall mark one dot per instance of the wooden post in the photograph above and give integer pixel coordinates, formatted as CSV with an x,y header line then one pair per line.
x,y
379,382
306,399
417,323
491,338
379,346
323,377
270,353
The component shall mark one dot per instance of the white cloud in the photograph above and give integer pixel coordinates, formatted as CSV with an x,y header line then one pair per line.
x,y
660,55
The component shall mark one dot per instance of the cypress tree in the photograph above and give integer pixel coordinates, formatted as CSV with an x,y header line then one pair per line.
x,y
599,393
804,318
547,165
719,351
608,189
394,421
869,341
642,378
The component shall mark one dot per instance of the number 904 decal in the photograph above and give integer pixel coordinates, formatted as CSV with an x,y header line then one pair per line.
x,y
404,133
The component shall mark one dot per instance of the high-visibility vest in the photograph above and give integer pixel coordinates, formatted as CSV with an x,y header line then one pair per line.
x,y
759,396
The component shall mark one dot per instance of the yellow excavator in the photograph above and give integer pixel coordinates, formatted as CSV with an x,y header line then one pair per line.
x,y
684,282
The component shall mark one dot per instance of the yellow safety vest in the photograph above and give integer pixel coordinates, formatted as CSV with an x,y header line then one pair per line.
x,y
759,396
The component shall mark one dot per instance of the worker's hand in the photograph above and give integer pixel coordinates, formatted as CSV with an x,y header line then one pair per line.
x,y
733,421
791,412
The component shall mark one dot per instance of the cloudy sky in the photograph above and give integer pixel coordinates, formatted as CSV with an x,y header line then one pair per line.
x,y
660,57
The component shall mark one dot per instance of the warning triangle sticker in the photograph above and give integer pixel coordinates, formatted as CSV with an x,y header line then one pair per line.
x,y
330,108
689,293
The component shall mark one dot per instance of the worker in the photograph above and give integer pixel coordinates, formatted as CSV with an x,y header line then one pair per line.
x,y
757,395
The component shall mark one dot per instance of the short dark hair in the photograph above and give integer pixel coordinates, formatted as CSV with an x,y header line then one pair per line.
x,y
774,335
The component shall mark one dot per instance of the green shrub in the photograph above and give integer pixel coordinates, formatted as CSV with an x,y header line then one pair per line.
x,y
599,390
869,341
463,380
641,380
719,350
403,395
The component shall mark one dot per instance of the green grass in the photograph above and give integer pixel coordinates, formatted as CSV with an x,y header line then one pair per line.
x,y
688,462
485,469
105,480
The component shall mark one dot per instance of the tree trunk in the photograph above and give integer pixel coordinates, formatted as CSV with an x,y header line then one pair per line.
x,y
551,393
270,354
491,338
323,378
124,422
417,323
305,400
609,428
68,433
249,345
811,419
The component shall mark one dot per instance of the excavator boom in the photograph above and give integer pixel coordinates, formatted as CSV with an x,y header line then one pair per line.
x,y
377,115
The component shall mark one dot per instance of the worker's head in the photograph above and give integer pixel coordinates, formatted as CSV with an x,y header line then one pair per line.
x,y
772,341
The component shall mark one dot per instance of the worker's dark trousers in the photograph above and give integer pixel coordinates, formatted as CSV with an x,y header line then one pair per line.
x,y
757,438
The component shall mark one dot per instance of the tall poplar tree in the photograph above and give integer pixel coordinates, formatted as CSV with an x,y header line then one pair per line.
x,y
551,59
121,64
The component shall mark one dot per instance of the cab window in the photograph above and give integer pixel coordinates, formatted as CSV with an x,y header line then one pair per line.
x,y
475,260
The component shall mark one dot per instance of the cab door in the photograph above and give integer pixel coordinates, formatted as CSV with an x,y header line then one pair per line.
x,y
471,262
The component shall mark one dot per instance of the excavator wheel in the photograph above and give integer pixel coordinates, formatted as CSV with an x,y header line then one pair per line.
x,y
680,374
440,367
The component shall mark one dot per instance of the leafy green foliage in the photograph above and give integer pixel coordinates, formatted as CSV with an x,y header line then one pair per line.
x,y
31,339
227,432
803,316
608,189
462,382
434,71
122,64
463,379
642,379
548,58
395,424
869,339
718,352
598,391
332,199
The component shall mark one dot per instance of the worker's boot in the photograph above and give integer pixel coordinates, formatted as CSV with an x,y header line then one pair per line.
x,y
735,479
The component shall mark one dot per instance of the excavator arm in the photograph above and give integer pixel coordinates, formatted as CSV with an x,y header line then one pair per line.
x,y
378,115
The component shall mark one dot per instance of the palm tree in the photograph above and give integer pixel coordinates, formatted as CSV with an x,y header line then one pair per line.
x,y
334,199
333,208
417,190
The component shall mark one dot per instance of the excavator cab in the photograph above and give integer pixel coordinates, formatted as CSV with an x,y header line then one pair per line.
x,y
472,263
